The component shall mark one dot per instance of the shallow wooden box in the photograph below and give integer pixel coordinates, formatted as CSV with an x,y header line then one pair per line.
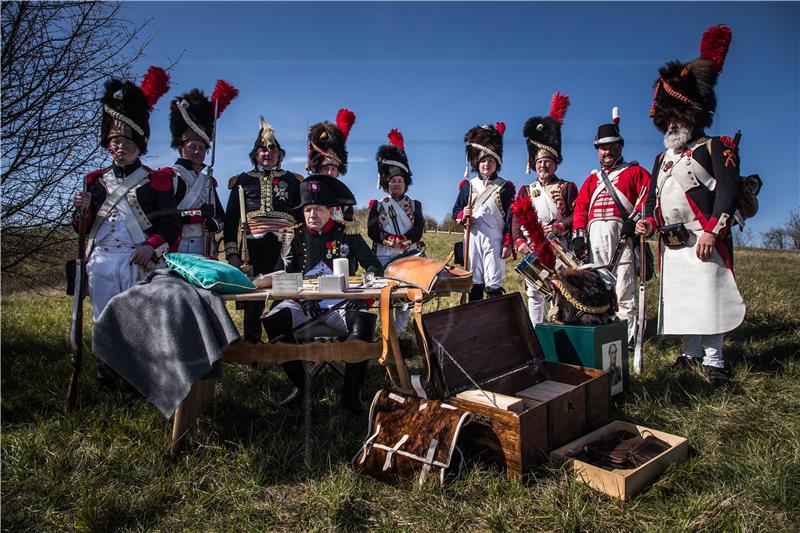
x,y
494,343
619,483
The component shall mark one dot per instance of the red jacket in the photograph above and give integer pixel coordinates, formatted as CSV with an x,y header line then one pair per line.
x,y
632,182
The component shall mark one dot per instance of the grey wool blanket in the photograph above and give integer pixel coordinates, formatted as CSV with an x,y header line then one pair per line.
x,y
162,335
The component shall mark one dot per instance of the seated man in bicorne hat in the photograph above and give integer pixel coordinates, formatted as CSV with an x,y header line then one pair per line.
x,y
312,251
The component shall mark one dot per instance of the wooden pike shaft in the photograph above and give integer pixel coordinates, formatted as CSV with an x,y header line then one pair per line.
x,y
76,330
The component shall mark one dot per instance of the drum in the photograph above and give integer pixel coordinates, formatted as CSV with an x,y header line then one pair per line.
x,y
536,274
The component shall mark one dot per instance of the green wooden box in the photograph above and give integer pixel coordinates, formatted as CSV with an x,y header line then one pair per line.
x,y
604,347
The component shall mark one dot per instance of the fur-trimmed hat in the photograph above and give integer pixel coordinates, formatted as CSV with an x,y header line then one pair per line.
x,y
685,91
481,141
325,190
326,142
543,134
191,117
266,139
126,107
609,133
392,161
582,297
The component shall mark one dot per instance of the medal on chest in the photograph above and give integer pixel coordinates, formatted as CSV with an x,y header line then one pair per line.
x,y
280,189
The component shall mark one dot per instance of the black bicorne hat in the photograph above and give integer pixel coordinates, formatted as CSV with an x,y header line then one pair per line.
x,y
685,91
609,133
325,190
191,117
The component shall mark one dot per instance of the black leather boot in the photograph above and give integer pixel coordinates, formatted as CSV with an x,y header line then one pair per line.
x,y
354,374
296,372
477,292
252,323
361,325
494,293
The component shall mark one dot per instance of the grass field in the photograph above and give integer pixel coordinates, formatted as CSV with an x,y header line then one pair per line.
x,y
105,467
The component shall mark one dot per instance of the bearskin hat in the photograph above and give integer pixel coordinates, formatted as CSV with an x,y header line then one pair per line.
x,y
582,297
544,133
484,140
326,142
685,91
266,139
392,161
126,107
191,117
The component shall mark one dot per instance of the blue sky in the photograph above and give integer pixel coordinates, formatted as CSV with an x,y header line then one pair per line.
x,y
434,70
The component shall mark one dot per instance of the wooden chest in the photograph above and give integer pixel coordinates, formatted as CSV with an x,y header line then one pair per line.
x,y
491,345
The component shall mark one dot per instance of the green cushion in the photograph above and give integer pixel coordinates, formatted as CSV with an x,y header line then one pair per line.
x,y
209,274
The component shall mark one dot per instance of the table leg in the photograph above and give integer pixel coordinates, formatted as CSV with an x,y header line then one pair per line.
x,y
200,396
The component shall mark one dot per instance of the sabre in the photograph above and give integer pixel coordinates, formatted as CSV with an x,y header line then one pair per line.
x,y
245,255
638,359
210,174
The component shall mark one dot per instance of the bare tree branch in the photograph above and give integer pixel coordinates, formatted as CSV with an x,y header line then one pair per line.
x,y
55,58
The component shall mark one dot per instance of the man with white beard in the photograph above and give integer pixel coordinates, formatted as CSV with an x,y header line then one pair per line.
x,y
692,197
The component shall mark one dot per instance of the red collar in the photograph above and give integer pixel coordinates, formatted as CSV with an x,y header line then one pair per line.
x,y
325,229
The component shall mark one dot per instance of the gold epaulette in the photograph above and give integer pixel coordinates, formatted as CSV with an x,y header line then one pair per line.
x,y
297,176
232,181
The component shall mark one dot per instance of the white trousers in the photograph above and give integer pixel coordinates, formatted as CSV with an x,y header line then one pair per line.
x,y
485,255
603,238
191,245
109,273
705,347
536,304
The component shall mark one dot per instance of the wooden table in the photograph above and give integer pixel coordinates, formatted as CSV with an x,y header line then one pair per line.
x,y
350,351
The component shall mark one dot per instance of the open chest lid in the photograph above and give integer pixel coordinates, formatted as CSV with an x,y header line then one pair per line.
x,y
487,339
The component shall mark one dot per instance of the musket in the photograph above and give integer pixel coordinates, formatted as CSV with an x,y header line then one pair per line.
x,y
210,174
76,323
638,359
244,253
567,257
466,241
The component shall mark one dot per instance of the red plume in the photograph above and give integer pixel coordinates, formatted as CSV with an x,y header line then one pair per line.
x,y
528,218
155,84
558,107
715,43
500,127
345,120
223,94
396,138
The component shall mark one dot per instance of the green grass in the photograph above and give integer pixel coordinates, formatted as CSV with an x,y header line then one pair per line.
x,y
106,467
